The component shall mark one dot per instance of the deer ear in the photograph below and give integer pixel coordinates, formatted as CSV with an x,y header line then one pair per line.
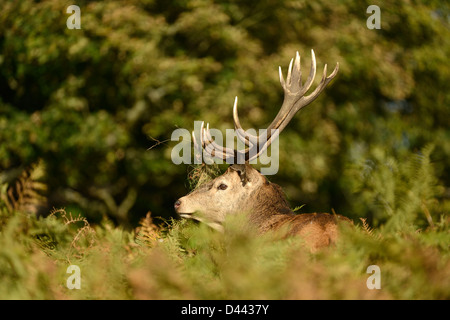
x,y
241,170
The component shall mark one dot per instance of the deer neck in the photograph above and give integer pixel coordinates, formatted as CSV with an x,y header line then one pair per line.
x,y
270,207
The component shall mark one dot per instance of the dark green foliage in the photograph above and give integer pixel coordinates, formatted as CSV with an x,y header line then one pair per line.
x,y
98,105
86,118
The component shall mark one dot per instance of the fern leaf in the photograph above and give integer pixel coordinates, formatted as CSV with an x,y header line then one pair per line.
x,y
27,193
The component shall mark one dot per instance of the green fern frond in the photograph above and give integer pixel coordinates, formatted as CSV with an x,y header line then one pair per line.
x,y
147,233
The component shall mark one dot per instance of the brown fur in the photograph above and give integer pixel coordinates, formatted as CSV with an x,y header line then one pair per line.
x,y
265,203
272,212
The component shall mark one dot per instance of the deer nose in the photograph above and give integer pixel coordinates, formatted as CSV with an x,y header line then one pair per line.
x,y
177,204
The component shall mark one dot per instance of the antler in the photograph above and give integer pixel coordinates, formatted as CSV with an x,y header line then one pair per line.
x,y
294,100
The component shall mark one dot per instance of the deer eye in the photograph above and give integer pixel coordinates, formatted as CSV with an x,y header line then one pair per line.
x,y
222,186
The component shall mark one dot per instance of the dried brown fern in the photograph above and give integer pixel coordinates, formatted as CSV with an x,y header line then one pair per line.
x,y
202,173
83,232
27,192
148,233
366,227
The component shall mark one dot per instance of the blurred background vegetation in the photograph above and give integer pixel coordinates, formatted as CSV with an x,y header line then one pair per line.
x,y
95,107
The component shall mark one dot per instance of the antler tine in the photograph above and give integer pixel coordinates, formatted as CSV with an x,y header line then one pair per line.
x,y
265,145
295,76
298,67
312,75
205,143
212,147
283,83
197,148
298,100
292,84
248,139
211,150
288,78
227,152
323,83
202,143
294,100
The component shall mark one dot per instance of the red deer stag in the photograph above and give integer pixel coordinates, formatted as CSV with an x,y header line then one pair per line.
x,y
242,189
